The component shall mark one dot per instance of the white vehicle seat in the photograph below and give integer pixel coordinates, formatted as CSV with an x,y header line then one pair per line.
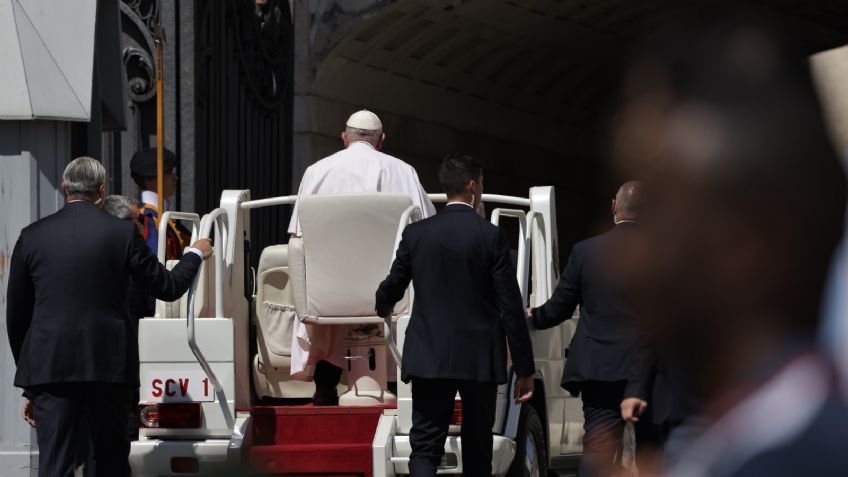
x,y
345,252
204,304
275,315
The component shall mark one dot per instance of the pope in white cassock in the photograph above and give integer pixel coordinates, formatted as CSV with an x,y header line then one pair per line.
x,y
317,351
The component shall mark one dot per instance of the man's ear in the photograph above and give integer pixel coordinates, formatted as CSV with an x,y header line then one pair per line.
x,y
101,194
62,188
344,138
381,141
613,206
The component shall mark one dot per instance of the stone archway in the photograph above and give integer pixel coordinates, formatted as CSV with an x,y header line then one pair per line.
x,y
530,86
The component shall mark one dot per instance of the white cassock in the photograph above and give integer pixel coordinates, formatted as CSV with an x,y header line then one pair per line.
x,y
359,168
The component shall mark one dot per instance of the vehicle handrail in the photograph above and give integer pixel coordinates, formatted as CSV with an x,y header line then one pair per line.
x,y
536,226
216,218
494,198
435,198
282,200
163,229
411,214
522,270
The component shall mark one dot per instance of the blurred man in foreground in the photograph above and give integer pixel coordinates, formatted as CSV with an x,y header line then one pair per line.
x,y
318,351
465,289
604,344
746,202
68,324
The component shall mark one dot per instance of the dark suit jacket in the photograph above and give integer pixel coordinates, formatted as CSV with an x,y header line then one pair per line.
x,y
141,304
604,342
467,302
665,384
67,313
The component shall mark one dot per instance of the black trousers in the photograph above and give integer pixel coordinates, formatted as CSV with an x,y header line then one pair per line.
x,y
603,427
432,408
60,409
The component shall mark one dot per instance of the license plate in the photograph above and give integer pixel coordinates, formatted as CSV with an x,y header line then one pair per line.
x,y
176,386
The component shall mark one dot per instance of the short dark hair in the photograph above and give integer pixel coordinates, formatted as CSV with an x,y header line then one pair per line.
x,y
456,170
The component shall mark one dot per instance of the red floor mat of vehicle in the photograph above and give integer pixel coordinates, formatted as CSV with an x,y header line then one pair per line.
x,y
313,441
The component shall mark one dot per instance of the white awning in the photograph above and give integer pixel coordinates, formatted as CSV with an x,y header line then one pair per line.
x,y
47,58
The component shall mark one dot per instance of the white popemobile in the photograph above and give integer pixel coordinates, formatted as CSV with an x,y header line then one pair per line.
x,y
215,366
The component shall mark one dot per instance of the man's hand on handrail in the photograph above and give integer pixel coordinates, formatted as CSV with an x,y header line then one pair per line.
x,y
204,246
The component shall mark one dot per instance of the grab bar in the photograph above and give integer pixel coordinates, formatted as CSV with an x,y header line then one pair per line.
x,y
411,214
522,268
282,200
487,198
216,218
435,198
536,227
163,229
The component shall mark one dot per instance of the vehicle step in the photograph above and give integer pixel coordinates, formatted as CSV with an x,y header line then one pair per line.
x,y
308,440
274,425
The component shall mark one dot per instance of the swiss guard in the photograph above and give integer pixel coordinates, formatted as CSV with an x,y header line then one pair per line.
x,y
143,171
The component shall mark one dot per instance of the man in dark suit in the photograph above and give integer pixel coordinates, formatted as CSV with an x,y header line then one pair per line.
x,y
604,342
467,307
68,321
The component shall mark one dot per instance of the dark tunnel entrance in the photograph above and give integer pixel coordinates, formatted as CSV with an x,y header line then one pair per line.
x,y
528,86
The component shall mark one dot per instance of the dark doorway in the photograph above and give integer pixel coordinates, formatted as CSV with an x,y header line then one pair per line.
x,y
244,108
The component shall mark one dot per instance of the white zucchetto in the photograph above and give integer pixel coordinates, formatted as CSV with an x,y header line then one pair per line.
x,y
364,120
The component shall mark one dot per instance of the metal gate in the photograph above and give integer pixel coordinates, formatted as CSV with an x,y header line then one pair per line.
x,y
243,94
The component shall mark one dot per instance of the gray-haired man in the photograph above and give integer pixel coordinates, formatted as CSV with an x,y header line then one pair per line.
x,y
67,320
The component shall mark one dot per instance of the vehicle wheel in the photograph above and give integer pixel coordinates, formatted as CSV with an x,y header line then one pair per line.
x,y
531,454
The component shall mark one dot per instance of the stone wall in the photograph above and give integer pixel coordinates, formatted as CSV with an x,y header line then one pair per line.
x,y
33,155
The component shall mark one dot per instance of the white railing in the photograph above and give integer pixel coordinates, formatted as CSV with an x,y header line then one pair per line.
x,y
487,198
522,269
163,230
411,214
532,232
435,198
536,226
282,200
217,219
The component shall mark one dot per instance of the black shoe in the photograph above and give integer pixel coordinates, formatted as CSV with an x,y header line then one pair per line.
x,y
325,397
327,377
